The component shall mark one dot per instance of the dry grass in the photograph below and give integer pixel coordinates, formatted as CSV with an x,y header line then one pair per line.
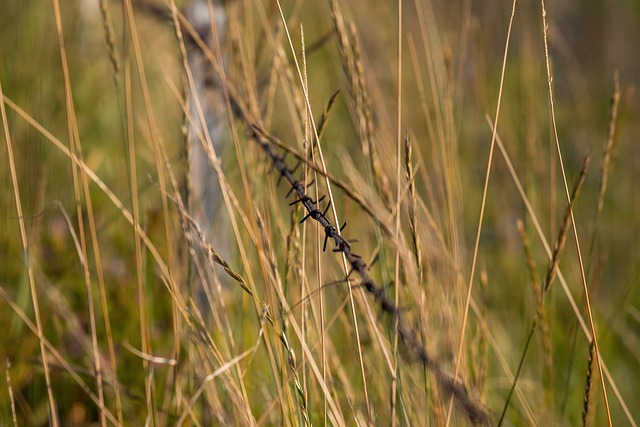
x,y
121,307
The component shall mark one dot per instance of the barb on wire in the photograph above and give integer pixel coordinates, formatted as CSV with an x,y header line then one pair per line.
x,y
474,410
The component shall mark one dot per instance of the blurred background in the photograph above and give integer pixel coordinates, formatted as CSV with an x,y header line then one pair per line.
x,y
452,61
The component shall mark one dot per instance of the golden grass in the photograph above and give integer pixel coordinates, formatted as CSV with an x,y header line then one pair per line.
x,y
120,309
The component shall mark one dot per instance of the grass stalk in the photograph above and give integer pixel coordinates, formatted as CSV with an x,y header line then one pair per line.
x,y
483,203
53,413
551,274
575,231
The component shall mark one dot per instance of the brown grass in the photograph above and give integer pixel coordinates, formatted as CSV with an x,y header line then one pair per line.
x,y
122,307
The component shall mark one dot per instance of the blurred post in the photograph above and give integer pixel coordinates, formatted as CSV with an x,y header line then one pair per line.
x,y
208,129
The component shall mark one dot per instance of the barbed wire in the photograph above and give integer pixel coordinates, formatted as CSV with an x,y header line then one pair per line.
x,y
475,411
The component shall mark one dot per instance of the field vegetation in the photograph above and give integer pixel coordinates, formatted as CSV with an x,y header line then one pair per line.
x,y
482,154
